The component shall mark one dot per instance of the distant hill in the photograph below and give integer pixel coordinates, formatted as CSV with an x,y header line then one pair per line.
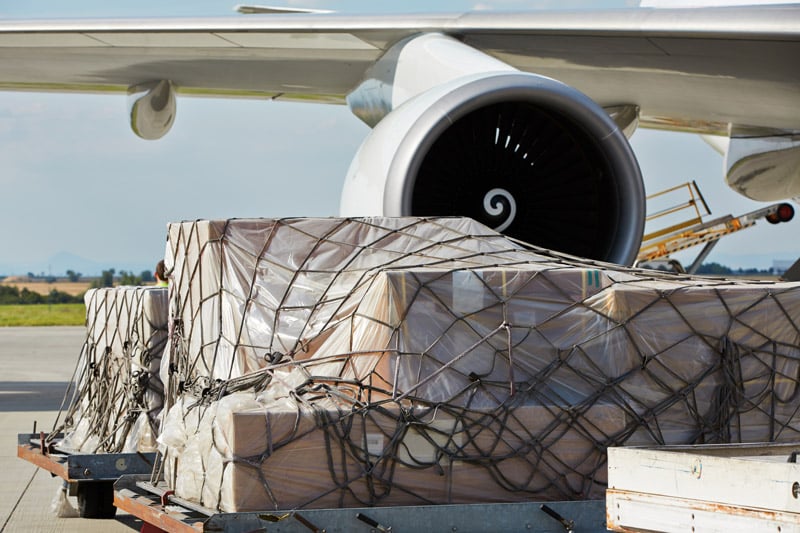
x,y
58,264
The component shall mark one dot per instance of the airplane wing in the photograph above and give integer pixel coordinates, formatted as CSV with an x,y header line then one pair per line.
x,y
514,119
671,63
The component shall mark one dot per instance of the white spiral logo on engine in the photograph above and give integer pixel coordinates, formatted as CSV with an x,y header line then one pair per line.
x,y
493,205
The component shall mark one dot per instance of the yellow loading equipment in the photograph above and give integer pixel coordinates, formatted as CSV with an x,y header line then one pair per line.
x,y
681,232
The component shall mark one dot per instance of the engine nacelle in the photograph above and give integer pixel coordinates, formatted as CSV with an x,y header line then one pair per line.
x,y
152,109
524,154
763,167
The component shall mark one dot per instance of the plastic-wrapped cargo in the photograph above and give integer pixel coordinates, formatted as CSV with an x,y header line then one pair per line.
x,y
118,394
376,361
248,292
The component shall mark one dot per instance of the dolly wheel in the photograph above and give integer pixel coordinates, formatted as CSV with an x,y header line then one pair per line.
x,y
96,499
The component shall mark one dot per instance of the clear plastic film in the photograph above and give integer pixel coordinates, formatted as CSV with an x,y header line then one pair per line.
x,y
375,361
117,395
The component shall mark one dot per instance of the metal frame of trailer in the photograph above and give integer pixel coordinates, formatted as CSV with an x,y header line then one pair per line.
x,y
717,488
163,511
90,477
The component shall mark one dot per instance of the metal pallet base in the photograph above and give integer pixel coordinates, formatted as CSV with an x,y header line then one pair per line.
x,y
157,507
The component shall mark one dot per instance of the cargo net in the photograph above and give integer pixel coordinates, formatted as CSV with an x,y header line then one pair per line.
x,y
376,361
116,395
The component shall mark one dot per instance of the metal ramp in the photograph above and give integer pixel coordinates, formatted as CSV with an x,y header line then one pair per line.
x,y
685,227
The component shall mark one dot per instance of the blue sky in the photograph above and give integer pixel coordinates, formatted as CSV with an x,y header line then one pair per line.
x,y
76,179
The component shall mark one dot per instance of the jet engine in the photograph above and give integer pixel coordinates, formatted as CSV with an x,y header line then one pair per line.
x,y
524,154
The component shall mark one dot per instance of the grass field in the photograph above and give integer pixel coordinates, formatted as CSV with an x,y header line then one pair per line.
x,y
43,315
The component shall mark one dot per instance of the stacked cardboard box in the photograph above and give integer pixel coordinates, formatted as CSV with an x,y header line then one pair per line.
x,y
397,361
118,394
248,291
286,457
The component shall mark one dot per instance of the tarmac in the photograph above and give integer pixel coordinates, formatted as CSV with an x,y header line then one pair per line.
x,y
37,366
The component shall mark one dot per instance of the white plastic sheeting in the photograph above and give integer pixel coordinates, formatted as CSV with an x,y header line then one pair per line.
x,y
375,361
118,395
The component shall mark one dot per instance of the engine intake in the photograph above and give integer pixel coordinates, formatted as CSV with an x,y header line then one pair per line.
x,y
523,154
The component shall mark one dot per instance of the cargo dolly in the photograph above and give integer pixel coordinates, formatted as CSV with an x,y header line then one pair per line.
x,y
90,477
161,510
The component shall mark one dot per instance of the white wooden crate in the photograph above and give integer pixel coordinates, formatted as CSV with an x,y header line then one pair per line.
x,y
722,488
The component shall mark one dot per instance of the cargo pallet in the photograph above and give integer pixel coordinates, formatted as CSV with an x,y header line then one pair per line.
x,y
161,510
90,477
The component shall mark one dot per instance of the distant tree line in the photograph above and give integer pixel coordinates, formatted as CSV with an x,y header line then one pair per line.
x,y
107,278
49,278
715,269
14,296
46,277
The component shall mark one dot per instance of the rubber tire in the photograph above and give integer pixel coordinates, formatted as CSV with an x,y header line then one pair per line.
x,y
96,499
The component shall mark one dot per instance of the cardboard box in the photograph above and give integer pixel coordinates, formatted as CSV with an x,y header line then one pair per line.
x,y
444,312
247,289
119,394
318,458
